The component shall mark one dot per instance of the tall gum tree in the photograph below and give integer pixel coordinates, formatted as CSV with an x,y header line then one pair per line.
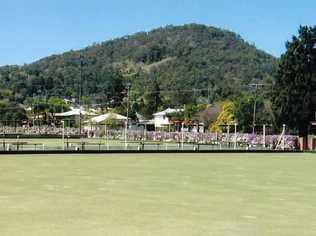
x,y
294,93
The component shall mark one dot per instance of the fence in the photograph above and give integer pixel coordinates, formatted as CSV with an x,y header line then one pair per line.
x,y
137,140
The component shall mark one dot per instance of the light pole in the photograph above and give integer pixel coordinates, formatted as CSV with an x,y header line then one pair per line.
x,y
145,133
182,135
264,136
256,85
63,134
3,127
106,137
235,139
80,91
127,110
228,134
254,109
283,138
125,135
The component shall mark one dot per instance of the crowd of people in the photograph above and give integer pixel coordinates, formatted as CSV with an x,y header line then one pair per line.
x,y
242,139
38,130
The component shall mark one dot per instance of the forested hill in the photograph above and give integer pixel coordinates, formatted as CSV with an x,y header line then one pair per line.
x,y
173,60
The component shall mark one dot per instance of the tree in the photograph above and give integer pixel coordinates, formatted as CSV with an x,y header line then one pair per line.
x,y
10,112
214,62
294,93
57,105
243,111
226,117
188,112
113,87
112,123
152,98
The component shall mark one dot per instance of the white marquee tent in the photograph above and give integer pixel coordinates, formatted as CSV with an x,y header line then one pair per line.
x,y
105,117
74,112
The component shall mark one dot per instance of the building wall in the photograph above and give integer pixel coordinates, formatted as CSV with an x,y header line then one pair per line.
x,y
311,142
161,121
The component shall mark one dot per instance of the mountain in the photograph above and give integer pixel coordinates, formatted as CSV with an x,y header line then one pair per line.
x,y
187,64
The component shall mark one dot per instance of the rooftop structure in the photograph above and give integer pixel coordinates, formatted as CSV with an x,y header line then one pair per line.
x,y
105,117
75,112
162,119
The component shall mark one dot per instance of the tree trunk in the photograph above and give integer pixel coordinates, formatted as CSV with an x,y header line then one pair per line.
x,y
303,136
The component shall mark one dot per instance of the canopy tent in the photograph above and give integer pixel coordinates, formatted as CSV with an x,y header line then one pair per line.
x,y
105,117
74,112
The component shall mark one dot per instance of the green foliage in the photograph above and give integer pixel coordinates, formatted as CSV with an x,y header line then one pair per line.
x,y
57,105
10,112
294,93
243,111
176,116
173,60
112,123
152,98
113,87
191,110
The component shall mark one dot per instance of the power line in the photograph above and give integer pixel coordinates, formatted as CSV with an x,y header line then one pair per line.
x,y
195,90
80,90
256,85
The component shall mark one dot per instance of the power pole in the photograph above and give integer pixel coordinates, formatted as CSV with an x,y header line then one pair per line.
x,y
127,107
256,86
254,110
264,136
209,95
127,111
80,92
235,137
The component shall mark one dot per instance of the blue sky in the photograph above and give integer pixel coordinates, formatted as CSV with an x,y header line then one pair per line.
x,y
32,29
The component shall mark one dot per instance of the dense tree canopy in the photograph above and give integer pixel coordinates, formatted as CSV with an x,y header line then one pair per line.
x,y
174,66
152,98
191,63
294,97
244,113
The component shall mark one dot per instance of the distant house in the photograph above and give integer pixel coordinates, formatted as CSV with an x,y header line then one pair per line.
x,y
103,118
144,124
68,101
96,126
161,119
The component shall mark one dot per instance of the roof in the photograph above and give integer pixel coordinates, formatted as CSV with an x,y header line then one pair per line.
x,y
146,122
74,112
167,111
104,117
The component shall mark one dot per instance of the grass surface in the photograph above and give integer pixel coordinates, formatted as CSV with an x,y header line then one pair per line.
x,y
155,194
